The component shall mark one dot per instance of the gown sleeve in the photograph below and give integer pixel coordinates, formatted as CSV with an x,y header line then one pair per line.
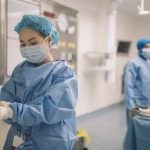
x,y
58,103
130,75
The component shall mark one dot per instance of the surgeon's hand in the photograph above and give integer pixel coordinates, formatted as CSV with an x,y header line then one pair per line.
x,y
134,112
5,110
4,103
145,110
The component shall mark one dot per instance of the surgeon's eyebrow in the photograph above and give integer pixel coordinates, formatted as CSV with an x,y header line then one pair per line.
x,y
33,38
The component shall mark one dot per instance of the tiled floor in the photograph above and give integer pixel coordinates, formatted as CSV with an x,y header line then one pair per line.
x,y
106,128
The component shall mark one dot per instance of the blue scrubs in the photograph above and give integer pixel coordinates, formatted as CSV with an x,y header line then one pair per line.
x,y
137,83
43,99
137,136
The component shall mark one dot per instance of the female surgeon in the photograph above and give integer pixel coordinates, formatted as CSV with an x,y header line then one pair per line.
x,y
40,97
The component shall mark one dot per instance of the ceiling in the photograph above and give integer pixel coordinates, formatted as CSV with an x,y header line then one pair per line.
x,y
129,6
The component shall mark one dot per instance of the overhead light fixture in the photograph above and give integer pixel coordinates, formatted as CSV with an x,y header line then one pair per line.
x,y
141,9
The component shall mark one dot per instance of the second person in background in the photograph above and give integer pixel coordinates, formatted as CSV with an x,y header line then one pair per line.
x,y
137,79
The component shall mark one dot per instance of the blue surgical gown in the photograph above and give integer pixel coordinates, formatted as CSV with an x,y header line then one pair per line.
x,y
43,100
137,83
137,136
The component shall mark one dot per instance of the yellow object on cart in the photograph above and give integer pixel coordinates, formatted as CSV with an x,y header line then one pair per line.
x,y
84,135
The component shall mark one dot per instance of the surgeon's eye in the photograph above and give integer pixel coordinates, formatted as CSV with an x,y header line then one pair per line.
x,y
22,45
34,43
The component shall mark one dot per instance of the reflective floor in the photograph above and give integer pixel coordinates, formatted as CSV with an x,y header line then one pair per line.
x,y
106,128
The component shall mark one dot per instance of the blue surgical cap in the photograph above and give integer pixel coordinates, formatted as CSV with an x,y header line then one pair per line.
x,y
38,23
141,43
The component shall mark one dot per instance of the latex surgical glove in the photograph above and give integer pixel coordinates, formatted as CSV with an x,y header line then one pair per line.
x,y
5,112
145,110
4,103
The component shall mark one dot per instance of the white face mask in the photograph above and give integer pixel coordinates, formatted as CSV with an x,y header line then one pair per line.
x,y
34,54
146,52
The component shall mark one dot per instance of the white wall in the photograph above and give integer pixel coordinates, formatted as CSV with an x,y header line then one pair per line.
x,y
94,92
142,27
125,31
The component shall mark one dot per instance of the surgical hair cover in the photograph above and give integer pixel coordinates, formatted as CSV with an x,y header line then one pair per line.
x,y
141,43
38,23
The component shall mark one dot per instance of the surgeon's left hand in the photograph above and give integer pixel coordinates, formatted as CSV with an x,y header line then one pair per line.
x,y
5,110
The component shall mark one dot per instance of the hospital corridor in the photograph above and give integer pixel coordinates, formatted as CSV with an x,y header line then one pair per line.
x,y
74,75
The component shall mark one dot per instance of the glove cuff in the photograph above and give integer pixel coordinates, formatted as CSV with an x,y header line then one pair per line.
x,y
6,112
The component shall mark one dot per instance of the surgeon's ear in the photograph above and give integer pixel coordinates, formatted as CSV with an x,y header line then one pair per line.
x,y
50,41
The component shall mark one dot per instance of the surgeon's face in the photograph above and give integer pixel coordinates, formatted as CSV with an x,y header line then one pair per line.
x,y
29,37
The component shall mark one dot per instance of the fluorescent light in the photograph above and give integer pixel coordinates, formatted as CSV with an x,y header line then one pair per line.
x,y
141,9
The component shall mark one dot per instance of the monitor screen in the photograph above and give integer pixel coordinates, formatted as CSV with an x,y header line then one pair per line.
x,y
123,47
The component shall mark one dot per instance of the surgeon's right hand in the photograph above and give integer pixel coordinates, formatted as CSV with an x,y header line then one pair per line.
x,y
5,112
4,103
